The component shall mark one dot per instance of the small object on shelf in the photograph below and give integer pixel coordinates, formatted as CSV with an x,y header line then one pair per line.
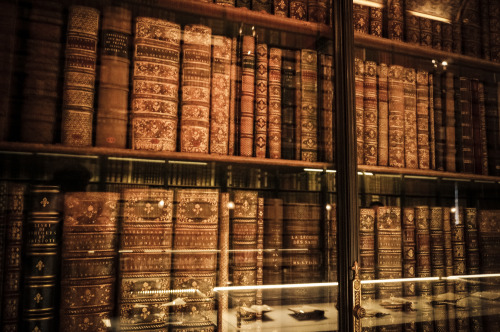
x,y
307,313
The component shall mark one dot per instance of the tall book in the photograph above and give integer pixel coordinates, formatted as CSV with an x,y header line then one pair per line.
x,y
423,132
261,105
79,76
485,29
3,230
326,143
464,131
376,21
247,96
281,7
88,269
367,253
438,267
457,36
494,11
395,19
233,97
288,105
492,127
410,120
259,280
478,116
396,116
437,34
483,136
412,29
447,33
370,114
298,105
430,120
309,105
275,101
471,29
155,84
361,18
439,123
449,122
112,107
262,5
194,261
448,261
195,85
383,115
359,70
223,271
298,9
409,266
425,26
424,269
145,262
220,95
273,244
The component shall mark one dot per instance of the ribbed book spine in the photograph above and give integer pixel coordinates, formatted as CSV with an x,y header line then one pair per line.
x,y
449,122
410,121
457,36
367,253
247,96
439,123
425,26
298,9
155,84
262,5
438,267
396,117
145,249
313,10
423,147
326,143
275,103
485,29
383,116
448,260
471,29
89,248
112,107
479,127
457,219
194,261
492,128
288,105
260,255
233,96
361,18
79,76
437,36
223,271
409,266
3,230
309,111
423,240
370,114
221,94
464,138
298,105
281,7
376,21
412,29
261,105
195,102
447,33
395,19
359,70
273,244
431,126
494,16
483,130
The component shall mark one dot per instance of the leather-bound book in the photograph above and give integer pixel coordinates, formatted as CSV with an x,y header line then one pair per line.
x,y
243,270
194,261
41,90
298,9
262,5
361,18
464,131
195,80
309,111
273,244
492,127
409,267
449,122
424,270
412,29
261,105
438,268
233,96
145,249
430,120
437,36
367,253
410,121
484,19
494,16
313,10
3,230
359,70
259,280
275,100
483,130
457,36
396,116
221,94
471,29
112,106
229,3
376,21
447,33
41,258
425,26
223,271
423,146
12,269
298,105
288,105
331,243
370,114
473,267
244,3
439,123
326,144
155,84
448,262
383,115
281,7
88,269
79,76
320,14
247,96
479,127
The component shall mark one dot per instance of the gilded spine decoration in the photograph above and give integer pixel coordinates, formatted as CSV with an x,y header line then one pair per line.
x,y
395,19
280,7
370,114
309,110
383,115
223,281
396,117
423,147
273,243
247,96
275,102
326,143
261,105
359,70
409,265
410,116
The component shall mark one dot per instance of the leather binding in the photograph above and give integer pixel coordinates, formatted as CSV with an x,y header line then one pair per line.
x,y
12,270
484,19
423,128
232,100
326,143
409,267
244,3
438,267
367,253
359,71
298,9
112,106
195,102
317,11
273,243
288,105
41,97
331,244
449,116
410,122
361,18
437,37
262,5
396,117
439,123
194,262
304,264
424,270
298,104
79,76
145,250
412,29
447,33
464,131
261,104
4,196
479,127
309,111
383,115
395,19
457,36
88,269
492,128
431,126
247,96
223,271
483,130
448,261
230,3
221,94
370,114
473,267
243,270
275,103
494,11
322,12
471,29
376,21
155,84
260,255
425,26
41,260
281,7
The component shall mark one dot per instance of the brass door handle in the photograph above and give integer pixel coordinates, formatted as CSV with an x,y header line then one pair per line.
x,y
358,311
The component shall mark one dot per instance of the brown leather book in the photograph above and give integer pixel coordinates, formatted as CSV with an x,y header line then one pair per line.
x,y
273,244
425,26
370,114
449,122
281,7
155,85
247,96
361,18
88,269
275,103
437,34
464,130
410,122
220,95
409,267
485,29
359,71
479,127
383,115
471,29
298,9
367,253
244,3
223,268
194,260
438,268
112,107
395,19
492,127
262,5
439,122
288,105
412,29
424,269
376,21
447,33
457,36
423,132
494,11
309,111
145,250
79,76
233,97
298,105
3,230
260,255
396,117
261,101
483,130
448,260
326,144
195,101
431,126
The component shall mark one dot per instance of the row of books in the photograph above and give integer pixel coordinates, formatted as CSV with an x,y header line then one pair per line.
x,y
161,251
422,242
471,29
411,118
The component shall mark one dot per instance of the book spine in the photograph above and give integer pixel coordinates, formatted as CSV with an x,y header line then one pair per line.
x,y
298,9
367,253
321,14
288,105
423,146
309,105
223,275
273,244
471,29
439,123
397,116
112,107
383,115
326,143
412,29
492,128
425,26
473,267
479,128
465,130
494,12
261,101
457,36
221,94
247,96
431,126
409,266
280,7
262,5
4,196
260,253
485,29
275,103
448,260
232,101
370,114
195,102
447,33
359,71
244,3
437,36
438,266
410,118
230,3
361,18
449,117
376,21
482,131
79,76
155,85
298,105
